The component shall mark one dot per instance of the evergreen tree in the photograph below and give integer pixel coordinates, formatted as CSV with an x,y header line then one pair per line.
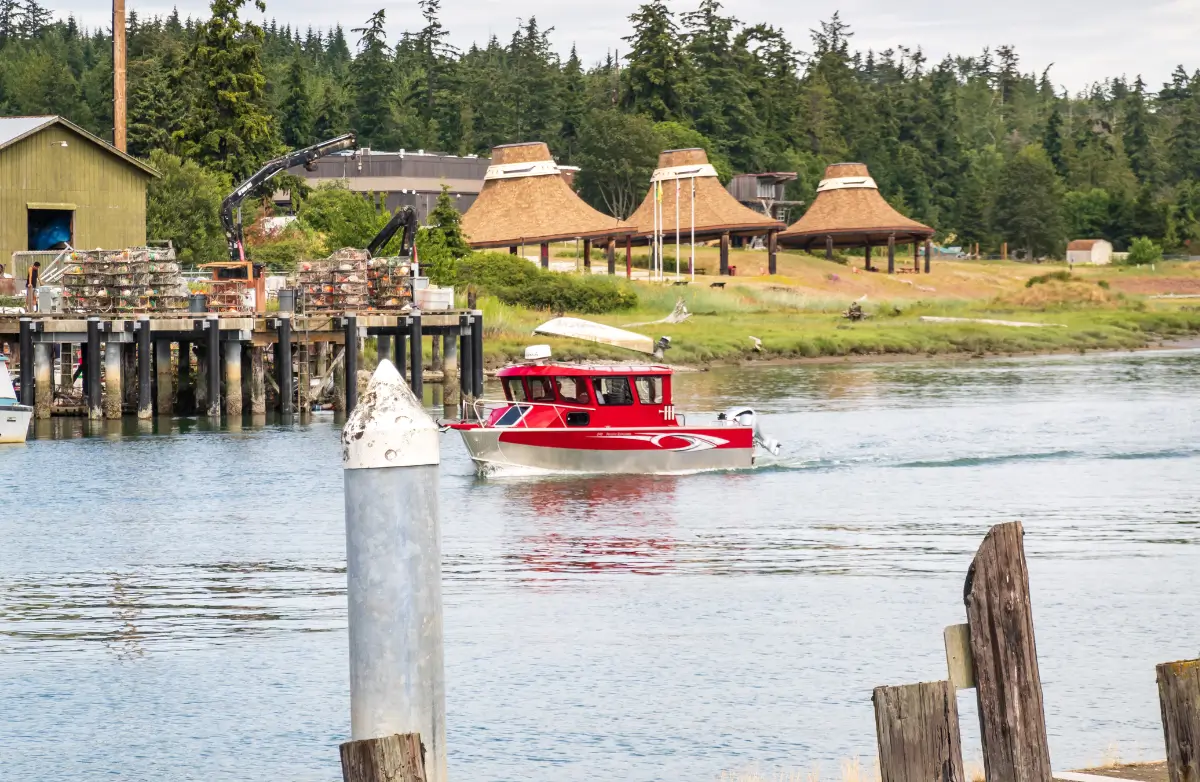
x,y
1136,135
574,107
653,80
333,115
228,127
1052,140
371,73
1029,203
155,106
296,112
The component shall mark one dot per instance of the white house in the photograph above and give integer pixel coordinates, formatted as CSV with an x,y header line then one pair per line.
x,y
1094,251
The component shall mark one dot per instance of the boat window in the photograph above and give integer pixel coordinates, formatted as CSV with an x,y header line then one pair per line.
x,y
514,389
612,391
573,390
540,390
649,389
579,418
512,415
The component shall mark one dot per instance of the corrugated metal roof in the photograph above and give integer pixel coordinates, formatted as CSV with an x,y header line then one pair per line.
x,y
13,128
1083,244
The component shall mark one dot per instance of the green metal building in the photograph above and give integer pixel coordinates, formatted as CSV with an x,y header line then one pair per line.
x,y
59,183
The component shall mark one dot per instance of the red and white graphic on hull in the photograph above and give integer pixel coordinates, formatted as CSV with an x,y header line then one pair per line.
x,y
693,442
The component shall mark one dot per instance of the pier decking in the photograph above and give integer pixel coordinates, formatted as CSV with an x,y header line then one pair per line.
x,y
214,364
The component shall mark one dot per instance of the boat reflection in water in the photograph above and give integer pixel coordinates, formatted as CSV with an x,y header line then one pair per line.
x,y
590,525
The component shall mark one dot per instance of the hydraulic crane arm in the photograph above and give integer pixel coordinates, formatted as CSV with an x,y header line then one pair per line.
x,y
231,213
405,217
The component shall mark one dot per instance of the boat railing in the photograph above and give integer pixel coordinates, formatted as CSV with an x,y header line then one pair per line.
x,y
484,407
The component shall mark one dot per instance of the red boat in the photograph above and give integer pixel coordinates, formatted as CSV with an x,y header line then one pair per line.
x,y
601,419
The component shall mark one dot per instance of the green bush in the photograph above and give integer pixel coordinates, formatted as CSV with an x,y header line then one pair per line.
x,y
1051,277
516,281
1142,251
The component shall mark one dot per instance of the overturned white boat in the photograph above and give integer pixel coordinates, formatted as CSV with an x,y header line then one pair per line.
x,y
578,328
14,418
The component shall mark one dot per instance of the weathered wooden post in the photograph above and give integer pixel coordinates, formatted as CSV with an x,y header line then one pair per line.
x,y
629,256
724,254
129,372
891,253
390,455
1012,719
185,392
43,378
164,392
213,357
201,385
512,249
283,363
435,351
66,376
610,255
450,384
477,354
416,355
113,387
1179,701
145,390
828,248
92,371
867,256
917,729
545,255
772,252
25,346
233,378
258,381
392,758
587,255
928,254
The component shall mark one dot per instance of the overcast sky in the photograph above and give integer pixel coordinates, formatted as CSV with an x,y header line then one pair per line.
x,y
1086,41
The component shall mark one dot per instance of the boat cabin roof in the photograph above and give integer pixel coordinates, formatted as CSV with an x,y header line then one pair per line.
x,y
581,370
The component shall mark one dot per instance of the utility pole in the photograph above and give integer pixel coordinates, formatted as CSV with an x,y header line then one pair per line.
x,y
118,53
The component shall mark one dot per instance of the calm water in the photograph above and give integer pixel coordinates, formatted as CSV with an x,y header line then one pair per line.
x,y
171,603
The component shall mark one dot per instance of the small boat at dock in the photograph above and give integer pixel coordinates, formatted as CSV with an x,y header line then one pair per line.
x,y
559,418
14,417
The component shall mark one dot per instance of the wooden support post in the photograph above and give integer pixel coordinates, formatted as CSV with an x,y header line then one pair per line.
x,y
828,248
892,254
916,255
349,365
1012,720
145,388
1004,251
164,392
185,392
25,348
416,381
435,352
283,365
91,372
1179,701
201,385
928,254
233,378
587,255
512,249
629,256
113,387
43,378
772,252
724,254
323,351
66,367
917,729
129,375
450,390
304,378
258,381
392,758
545,255
610,254
867,256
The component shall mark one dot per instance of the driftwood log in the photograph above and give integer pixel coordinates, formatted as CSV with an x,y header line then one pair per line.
x,y
395,758
1009,688
917,729
1179,698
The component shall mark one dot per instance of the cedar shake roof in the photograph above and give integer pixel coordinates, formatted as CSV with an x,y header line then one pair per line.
x,y
532,209
717,211
852,216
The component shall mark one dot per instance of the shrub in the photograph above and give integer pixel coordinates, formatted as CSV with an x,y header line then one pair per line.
x,y
1143,250
1042,279
516,281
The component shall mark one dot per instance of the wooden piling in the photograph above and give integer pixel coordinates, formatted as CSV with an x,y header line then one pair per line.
x,y
395,758
258,381
1008,685
283,365
323,351
1179,701
92,370
303,379
450,383
233,378
129,375
43,378
164,397
113,387
435,352
724,254
145,390
66,367
200,387
185,390
917,729
772,252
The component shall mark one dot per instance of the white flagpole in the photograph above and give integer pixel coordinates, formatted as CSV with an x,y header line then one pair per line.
x,y
692,258
677,229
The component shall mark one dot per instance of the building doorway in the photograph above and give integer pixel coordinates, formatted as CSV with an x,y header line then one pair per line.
x,y
51,229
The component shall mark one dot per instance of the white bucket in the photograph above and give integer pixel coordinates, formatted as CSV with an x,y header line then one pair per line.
x,y
433,298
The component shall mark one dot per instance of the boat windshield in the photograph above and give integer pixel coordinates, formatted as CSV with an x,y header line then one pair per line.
x,y
649,389
514,389
612,391
512,415
540,390
573,390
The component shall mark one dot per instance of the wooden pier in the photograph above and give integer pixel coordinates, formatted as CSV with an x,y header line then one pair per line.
x,y
215,364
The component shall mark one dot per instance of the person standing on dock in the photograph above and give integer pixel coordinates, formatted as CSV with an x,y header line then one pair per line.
x,y
31,284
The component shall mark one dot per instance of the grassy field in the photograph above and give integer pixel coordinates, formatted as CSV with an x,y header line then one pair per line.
x,y
796,314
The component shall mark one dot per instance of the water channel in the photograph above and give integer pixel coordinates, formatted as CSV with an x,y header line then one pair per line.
x,y
172,598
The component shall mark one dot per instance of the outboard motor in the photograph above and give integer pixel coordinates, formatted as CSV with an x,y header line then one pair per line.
x,y
747,417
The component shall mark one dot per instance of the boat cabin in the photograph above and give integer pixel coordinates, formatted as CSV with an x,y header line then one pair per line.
x,y
548,396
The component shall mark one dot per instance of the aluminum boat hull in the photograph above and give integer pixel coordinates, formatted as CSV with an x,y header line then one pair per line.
x,y
642,451
14,423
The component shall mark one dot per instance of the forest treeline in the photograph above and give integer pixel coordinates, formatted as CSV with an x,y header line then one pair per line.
x,y
974,145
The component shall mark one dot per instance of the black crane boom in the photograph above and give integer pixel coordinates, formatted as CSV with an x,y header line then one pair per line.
x,y
231,214
405,216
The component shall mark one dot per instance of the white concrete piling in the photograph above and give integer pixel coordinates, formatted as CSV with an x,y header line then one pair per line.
x,y
390,455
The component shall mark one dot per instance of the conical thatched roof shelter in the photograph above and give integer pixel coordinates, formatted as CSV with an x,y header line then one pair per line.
x,y
526,200
849,212
717,212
